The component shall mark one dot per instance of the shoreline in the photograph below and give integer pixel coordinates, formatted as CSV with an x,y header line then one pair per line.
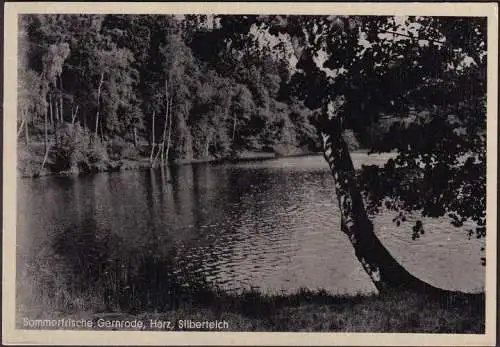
x,y
143,163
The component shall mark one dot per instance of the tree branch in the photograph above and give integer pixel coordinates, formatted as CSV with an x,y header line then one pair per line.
x,y
411,36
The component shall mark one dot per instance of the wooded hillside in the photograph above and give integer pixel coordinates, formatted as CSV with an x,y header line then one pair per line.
x,y
95,88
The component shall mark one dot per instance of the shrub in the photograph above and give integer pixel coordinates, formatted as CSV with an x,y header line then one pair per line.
x,y
29,160
351,139
118,149
76,150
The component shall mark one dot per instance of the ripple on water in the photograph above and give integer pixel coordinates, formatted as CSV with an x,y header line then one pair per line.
x,y
273,225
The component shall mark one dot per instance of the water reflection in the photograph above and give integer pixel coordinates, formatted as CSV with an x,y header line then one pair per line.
x,y
270,225
119,276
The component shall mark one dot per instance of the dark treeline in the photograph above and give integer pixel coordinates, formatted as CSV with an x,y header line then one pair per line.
x,y
96,88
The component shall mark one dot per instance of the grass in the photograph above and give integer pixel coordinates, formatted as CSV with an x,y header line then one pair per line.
x,y
85,273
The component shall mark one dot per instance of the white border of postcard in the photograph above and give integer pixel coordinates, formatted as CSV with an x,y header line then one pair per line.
x,y
11,335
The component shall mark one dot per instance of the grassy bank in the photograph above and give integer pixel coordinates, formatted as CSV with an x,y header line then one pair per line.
x,y
88,273
306,311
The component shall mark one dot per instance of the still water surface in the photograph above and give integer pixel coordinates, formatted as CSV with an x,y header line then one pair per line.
x,y
272,225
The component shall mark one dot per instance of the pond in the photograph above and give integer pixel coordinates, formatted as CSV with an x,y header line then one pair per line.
x,y
269,225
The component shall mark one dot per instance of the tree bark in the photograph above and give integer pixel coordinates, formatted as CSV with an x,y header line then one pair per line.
x,y
46,139
61,104
51,111
74,114
207,146
101,80
58,112
135,136
385,272
234,126
26,130
165,124
21,127
102,132
169,130
152,140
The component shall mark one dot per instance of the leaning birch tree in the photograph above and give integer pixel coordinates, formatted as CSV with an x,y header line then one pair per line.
x,y
428,76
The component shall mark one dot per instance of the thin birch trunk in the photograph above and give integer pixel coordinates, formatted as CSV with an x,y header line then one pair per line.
x,y
152,140
159,153
165,122
207,146
169,129
61,104
46,139
234,126
386,273
21,127
101,80
73,115
45,157
51,111
26,130
135,136
58,112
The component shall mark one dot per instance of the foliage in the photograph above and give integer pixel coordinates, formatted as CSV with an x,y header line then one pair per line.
x,y
112,74
424,77
118,149
76,151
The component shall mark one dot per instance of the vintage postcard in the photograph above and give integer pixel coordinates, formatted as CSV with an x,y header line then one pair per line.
x,y
250,173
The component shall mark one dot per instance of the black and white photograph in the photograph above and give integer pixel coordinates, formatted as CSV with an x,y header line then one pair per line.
x,y
235,171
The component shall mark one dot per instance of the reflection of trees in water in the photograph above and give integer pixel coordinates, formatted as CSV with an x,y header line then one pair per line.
x,y
125,277
201,212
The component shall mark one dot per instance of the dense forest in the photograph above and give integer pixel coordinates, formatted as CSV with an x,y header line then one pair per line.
x,y
97,89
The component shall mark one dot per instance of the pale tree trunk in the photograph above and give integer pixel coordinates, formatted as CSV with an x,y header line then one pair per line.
x,y
234,126
207,146
58,113
47,146
161,150
21,127
169,130
385,272
74,114
102,132
158,153
161,147
61,104
152,140
51,111
101,81
135,136
46,132
26,130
